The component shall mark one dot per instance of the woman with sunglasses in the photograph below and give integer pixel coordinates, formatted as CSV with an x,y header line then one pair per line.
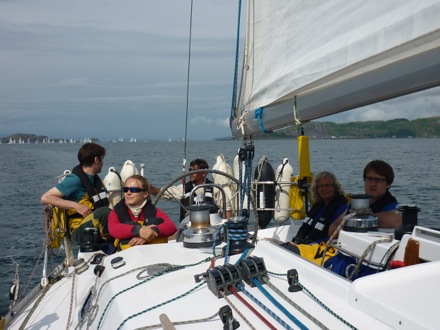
x,y
135,221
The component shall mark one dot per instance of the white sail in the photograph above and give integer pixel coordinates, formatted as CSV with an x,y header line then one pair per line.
x,y
308,59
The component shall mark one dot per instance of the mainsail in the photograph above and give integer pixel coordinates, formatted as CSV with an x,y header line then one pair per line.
x,y
309,59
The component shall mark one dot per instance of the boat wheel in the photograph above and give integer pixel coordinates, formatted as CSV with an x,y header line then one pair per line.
x,y
233,183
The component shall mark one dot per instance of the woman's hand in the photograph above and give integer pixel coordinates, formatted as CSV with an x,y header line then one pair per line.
x,y
137,241
148,233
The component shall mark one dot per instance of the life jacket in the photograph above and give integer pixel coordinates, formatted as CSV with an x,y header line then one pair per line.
x,y
96,190
316,228
380,204
208,197
96,196
121,210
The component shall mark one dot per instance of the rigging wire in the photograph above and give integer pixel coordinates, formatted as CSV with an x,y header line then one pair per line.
x,y
187,95
237,47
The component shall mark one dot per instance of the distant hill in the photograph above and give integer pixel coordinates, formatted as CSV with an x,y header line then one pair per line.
x,y
395,128
32,138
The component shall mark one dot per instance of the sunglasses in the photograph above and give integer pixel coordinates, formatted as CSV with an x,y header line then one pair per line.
x,y
133,189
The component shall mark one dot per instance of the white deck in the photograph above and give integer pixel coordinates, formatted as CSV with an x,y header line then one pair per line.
x,y
401,299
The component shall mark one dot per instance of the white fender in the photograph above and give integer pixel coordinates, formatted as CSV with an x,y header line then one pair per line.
x,y
282,201
142,166
113,185
128,170
227,184
221,165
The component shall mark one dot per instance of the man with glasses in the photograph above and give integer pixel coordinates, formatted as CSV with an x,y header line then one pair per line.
x,y
182,192
82,194
378,177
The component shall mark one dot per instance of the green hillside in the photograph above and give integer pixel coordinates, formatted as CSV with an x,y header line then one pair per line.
x,y
395,128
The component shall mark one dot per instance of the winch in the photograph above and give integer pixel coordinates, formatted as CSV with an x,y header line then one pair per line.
x,y
363,220
200,233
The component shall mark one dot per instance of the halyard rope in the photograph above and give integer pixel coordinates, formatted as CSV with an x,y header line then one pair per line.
x,y
264,307
295,305
319,302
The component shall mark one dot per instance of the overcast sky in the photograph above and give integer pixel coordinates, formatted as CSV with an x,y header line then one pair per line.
x,y
112,69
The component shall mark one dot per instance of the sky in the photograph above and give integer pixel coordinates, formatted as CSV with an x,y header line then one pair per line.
x,y
112,69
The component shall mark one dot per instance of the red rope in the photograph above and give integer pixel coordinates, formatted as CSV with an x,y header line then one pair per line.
x,y
261,317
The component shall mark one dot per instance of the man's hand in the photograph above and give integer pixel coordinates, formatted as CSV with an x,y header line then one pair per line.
x,y
83,210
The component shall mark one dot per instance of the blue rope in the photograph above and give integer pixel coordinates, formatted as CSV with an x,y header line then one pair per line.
x,y
240,188
234,234
248,176
245,184
278,305
260,304
259,116
243,255
216,238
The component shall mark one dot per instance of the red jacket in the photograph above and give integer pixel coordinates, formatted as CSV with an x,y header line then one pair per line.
x,y
122,230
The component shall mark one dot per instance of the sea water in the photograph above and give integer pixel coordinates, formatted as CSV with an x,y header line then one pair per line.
x,y
28,170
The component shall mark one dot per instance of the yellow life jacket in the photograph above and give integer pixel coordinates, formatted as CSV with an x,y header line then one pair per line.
x,y
74,217
315,252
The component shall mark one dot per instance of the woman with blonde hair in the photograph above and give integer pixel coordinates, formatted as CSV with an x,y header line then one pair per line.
x,y
134,220
329,206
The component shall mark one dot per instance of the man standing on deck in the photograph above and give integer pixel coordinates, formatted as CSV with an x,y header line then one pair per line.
x,y
83,194
182,193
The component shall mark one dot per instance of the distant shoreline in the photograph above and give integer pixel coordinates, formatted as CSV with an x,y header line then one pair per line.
x,y
395,128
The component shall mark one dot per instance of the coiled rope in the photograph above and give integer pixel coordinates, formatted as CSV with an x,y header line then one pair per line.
x,y
160,305
165,271
369,248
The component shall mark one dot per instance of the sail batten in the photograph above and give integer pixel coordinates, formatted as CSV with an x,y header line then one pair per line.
x,y
376,51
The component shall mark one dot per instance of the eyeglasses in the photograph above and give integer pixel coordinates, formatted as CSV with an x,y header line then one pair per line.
x,y
328,185
132,189
375,180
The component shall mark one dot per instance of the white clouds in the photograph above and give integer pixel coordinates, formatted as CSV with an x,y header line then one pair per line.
x,y
419,105
201,120
94,63
74,82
